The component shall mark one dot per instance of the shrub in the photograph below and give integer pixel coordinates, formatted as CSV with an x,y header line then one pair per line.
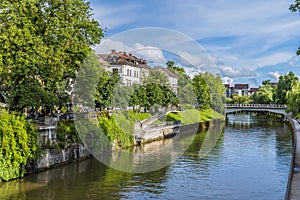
x,y
17,145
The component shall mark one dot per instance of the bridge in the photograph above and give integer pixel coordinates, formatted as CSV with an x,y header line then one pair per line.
x,y
272,108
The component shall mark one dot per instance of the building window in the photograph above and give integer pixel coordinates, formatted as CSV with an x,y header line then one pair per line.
x,y
137,74
115,71
127,72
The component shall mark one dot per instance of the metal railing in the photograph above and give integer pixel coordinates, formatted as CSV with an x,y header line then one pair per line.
x,y
268,106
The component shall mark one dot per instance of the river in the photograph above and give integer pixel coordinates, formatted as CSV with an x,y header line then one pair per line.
x,y
250,160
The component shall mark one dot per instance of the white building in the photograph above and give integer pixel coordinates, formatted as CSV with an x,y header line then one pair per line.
x,y
133,70
130,68
173,79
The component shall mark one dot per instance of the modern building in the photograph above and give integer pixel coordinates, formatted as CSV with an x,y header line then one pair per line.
x,y
239,89
229,90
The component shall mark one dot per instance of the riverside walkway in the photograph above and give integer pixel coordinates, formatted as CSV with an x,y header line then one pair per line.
x,y
293,188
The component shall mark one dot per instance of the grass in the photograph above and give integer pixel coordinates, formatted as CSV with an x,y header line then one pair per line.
x,y
194,116
142,116
118,128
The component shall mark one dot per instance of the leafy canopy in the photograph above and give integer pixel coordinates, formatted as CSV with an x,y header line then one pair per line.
x,y
43,43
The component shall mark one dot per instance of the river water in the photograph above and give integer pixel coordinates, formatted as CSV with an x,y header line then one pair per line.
x,y
250,160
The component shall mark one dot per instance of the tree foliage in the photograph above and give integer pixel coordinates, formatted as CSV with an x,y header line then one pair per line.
x,y
17,145
293,99
88,80
105,89
264,95
185,89
153,94
284,85
296,8
201,91
210,91
42,46
216,90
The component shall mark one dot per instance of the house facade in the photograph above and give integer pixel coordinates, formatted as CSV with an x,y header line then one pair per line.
x,y
239,89
133,70
173,79
130,68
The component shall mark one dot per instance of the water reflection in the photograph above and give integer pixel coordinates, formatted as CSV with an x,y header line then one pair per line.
x,y
249,160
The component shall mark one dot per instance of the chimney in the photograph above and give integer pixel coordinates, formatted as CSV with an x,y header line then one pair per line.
x,y
113,51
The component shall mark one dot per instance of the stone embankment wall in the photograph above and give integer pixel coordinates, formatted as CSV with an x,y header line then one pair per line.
x,y
293,185
55,156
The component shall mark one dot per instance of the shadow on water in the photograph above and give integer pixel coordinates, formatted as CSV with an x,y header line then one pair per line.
x,y
212,167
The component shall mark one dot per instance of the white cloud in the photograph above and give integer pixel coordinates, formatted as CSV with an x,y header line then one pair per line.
x,y
252,34
273,59
227,80
294,61
107,45
228,71
274,75
201,62
150,53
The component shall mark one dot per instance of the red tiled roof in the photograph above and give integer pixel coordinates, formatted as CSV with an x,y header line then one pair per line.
x,y
123,58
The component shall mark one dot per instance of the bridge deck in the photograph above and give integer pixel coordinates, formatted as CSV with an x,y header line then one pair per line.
x,y
273,108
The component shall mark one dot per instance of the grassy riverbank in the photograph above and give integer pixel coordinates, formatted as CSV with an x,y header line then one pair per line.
x,y
195,116
120,126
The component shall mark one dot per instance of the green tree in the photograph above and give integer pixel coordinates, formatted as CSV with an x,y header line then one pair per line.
x,y
264,95
293,98
284,85
216,90
296,8
202,92
42,46
139,98
157,77
236,99
175,69
185,91
17,145
153,94
108,82
266,82
90,78
121,96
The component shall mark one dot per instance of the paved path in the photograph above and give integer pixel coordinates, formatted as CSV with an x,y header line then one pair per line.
x,y
295,181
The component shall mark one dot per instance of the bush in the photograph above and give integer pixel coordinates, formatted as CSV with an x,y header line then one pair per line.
x,y
66,133
116,131
17,145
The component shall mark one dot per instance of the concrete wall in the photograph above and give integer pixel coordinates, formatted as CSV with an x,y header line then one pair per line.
x,y
51,154
293,185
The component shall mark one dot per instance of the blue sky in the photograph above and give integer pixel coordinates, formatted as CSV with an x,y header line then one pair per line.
x,y
249,41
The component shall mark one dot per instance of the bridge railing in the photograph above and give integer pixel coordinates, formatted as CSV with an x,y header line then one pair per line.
x,y
280,106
